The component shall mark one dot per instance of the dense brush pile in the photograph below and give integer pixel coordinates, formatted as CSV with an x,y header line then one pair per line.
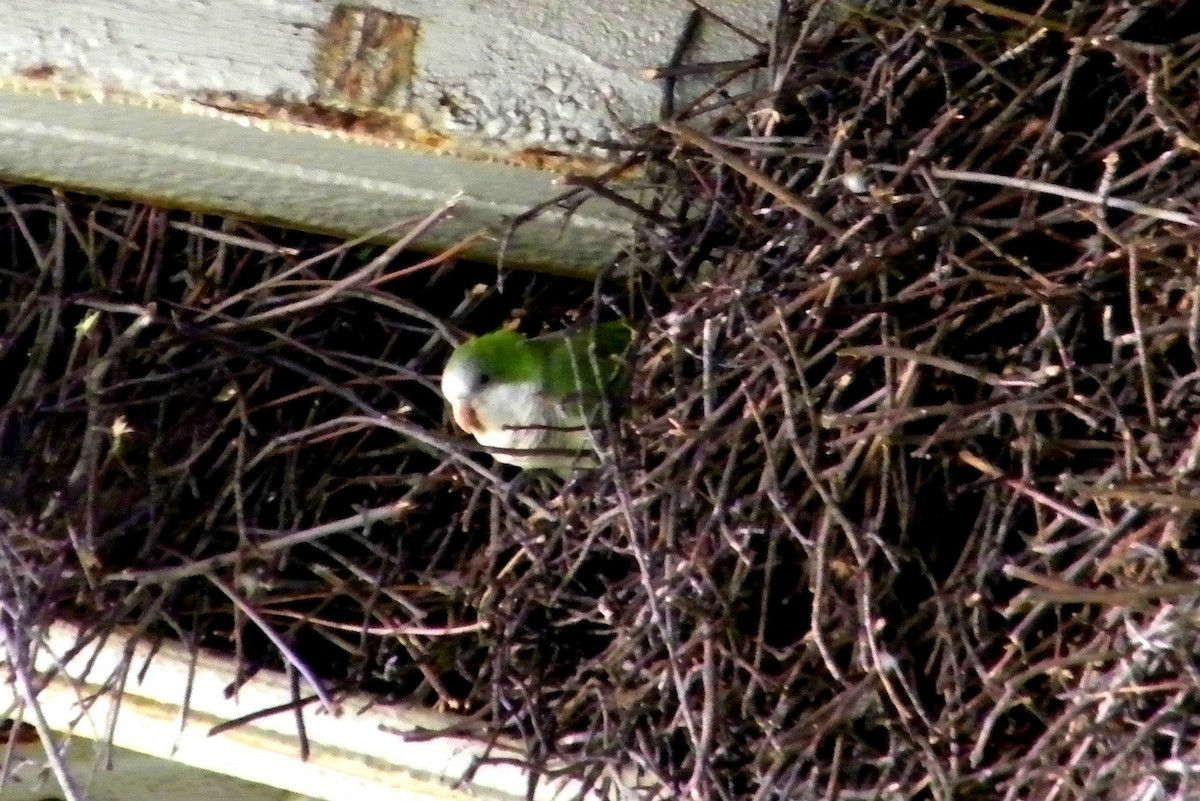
x,y
900,503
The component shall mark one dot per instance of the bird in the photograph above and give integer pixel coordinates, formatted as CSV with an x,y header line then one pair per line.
x,y
534,402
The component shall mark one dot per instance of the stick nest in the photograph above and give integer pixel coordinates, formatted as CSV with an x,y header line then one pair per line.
x,y
899,503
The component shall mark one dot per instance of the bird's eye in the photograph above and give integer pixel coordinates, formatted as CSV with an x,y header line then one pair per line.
x,y
484,379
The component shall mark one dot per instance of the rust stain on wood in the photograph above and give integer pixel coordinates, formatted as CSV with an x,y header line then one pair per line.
x,y
366,59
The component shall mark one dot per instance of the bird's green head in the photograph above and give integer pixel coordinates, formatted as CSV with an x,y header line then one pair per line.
x,y
501,357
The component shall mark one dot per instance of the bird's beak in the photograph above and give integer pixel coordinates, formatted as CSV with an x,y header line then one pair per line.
x,y
467,419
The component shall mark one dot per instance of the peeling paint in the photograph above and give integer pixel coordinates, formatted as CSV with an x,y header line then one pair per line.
x,y
489,74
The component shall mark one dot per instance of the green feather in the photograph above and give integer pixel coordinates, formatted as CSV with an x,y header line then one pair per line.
x,y
504,354
563,364
563,378
585,362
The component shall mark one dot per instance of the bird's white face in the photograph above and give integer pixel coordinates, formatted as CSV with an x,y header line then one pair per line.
x,y
524,399
484,407
508,411
514,416
459,387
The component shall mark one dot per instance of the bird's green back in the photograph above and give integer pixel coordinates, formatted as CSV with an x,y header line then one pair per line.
x,y
587,361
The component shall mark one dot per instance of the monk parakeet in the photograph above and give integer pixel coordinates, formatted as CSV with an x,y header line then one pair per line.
x,y
536,396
